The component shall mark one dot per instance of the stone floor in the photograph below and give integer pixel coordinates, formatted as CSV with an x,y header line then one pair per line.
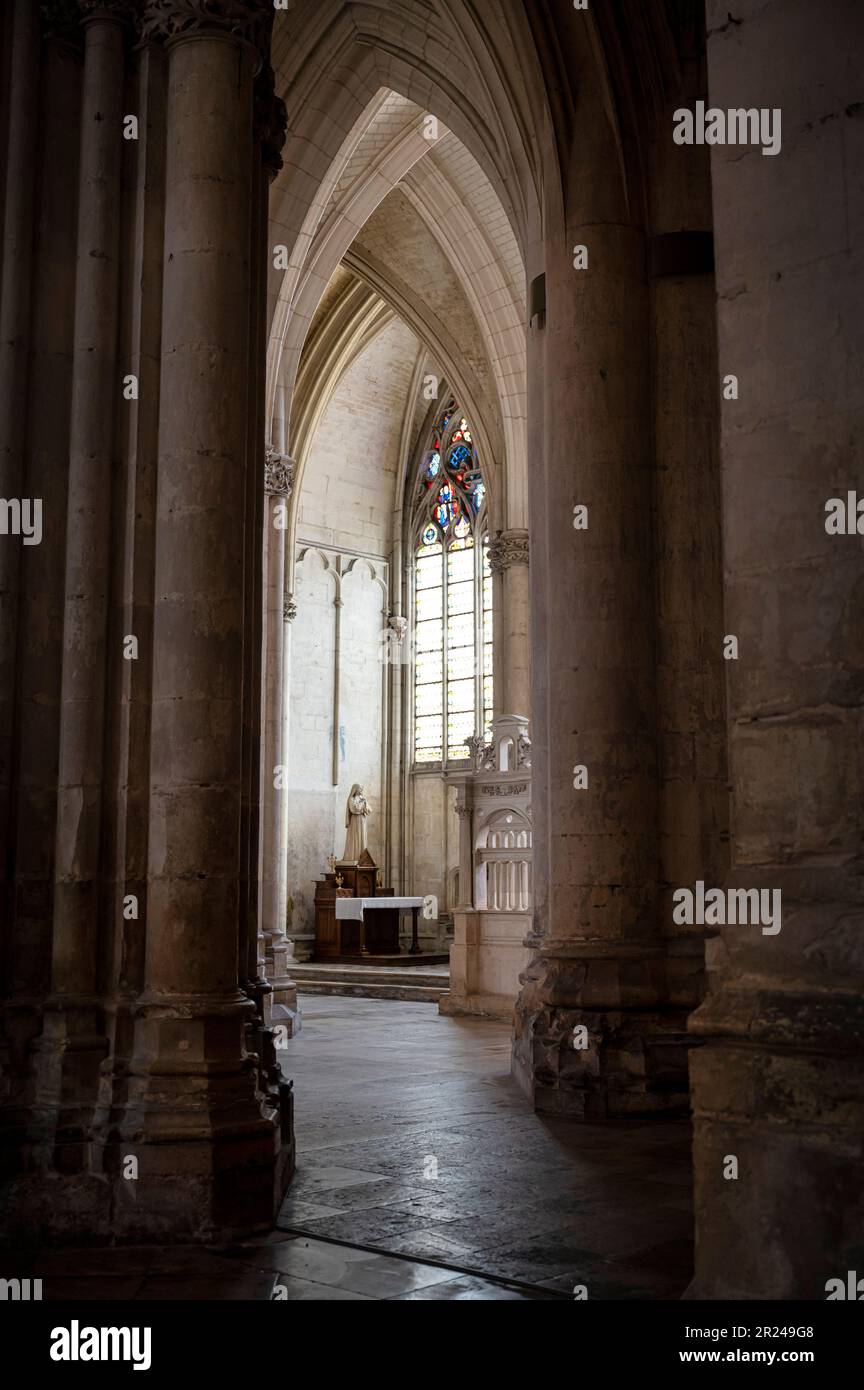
x,y
422,1174
413,1139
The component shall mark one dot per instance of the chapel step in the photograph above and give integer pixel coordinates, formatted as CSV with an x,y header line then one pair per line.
x,y
373,982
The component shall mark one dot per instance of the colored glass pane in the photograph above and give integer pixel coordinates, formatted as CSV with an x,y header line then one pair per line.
x,y
460,697
447,658
460,564
429,571
459,728
428,699
432,754
428,666
429,635
460,630
429,603
429,729
460,664
447,414
460,597
448,507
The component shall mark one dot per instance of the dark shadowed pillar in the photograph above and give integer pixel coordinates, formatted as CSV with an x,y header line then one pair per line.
x,y
601,966
73,1042
207,1144
777,1085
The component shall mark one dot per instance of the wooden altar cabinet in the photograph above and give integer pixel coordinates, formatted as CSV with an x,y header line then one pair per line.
x,y
348,939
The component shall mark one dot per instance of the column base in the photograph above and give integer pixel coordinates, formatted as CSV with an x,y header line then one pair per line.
x,y
495,1006
782,1094
192,1141
303,946
205,1138
631,1058
183,1194
280,1008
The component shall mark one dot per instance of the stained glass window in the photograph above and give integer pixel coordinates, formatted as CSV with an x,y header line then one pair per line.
x,y
453,688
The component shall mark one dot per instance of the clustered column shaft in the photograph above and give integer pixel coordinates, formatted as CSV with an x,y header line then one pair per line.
x,y
152,1120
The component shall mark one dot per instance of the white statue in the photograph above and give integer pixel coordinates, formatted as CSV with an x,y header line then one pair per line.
x,y
356,811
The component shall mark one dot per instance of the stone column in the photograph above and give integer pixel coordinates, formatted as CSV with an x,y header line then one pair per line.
x,y
600,961
301,945
464,785
35,340
778,1082
281,1004
508,558
73,1041
21,130
27,928
693,819
195,1116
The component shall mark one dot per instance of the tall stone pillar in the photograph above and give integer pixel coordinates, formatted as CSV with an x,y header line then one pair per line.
x,y
73,1042
777,1083
21,127
281,1003
508,558
207,1144
693,810
600,1026
27,926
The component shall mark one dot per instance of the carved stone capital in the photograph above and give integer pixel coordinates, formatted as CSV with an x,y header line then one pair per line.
x,y
61,21
123,11
508,548
278,473
289,609
247,21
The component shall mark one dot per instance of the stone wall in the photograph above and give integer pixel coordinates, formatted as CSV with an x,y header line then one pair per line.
x,y
319,783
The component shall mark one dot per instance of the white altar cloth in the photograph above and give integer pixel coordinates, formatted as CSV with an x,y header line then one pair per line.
x,y
353,908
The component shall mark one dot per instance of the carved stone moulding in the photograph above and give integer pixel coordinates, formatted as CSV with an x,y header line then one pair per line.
x,y
248,21
278,473
270,120
508,548
482,754
61,21
106,9
289,609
